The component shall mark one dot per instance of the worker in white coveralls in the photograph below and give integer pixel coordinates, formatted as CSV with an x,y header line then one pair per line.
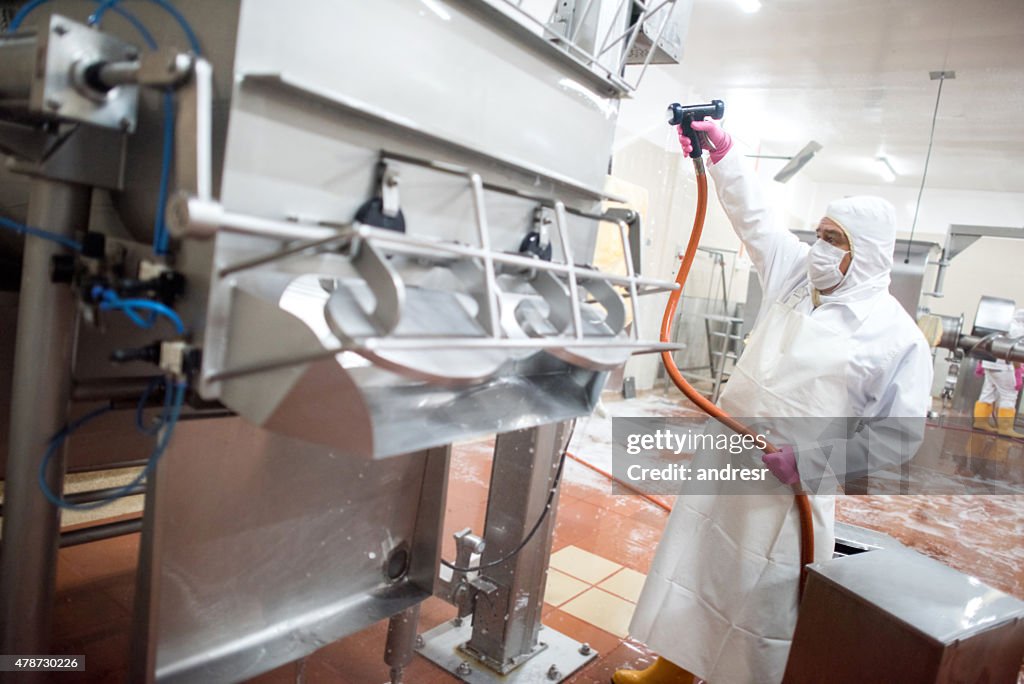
x,y
1002,384
720,601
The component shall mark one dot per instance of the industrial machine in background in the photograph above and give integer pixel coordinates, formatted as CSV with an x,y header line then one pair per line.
x,y
319,265
986,340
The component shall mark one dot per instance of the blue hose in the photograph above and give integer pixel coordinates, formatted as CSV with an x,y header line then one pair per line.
x,y
110,301
23,229
169,420
147,37
140,422
190,35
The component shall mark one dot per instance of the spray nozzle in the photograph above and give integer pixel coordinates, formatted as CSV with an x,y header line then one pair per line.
x,y
678,115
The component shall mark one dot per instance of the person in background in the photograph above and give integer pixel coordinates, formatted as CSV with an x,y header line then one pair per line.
x,y
720,600
1002,384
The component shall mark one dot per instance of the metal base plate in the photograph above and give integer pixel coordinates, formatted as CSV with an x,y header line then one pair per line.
x,y
441,647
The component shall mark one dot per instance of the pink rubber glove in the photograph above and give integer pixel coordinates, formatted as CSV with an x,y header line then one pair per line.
x,y
1019,373
979,370
719,140
782,463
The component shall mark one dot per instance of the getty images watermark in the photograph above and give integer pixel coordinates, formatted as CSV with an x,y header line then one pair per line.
x,y
834,455
669,442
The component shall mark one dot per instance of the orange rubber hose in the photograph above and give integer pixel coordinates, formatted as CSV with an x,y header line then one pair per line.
x,y
802,502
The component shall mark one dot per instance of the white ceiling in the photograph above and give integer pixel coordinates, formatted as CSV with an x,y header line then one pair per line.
x,y
853,75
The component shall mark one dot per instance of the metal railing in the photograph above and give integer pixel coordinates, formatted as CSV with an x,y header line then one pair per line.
x,y
202,218
594,59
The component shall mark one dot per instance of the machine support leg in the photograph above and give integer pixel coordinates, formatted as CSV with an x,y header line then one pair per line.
x,y
39,402
401,643
506,624
505,643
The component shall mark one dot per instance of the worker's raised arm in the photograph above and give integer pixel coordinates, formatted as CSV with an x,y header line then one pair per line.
x,y
775,252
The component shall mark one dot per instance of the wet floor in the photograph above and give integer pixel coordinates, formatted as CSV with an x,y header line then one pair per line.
x,y
603,546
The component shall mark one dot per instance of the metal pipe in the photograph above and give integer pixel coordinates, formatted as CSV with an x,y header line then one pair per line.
x,y
1003,348
483,235
99,532
39,402
110,389
96,467
113,74
373,344
401,643
196,218
574,294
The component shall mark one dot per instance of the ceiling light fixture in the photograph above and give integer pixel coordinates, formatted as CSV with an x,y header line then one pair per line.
x,y
749,6
885,169
796,162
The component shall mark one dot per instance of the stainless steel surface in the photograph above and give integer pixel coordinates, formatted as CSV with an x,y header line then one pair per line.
x,y
261,545
62,52
936,600
282,547
506,625
994,315
18,53
1002,348
986,343
441,647
904,617
959,238
39,398
62,160
663,37
156,68
195,218
600,37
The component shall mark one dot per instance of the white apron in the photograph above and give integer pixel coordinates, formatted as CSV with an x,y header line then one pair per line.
x,y
721,597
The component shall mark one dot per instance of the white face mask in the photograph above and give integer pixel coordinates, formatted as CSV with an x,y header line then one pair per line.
x,y
823,265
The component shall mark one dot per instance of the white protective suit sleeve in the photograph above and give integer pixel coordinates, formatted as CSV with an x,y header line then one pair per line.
x,y
779,257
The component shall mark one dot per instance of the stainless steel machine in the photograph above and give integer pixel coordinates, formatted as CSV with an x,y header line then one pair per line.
x,y
323,240
985,340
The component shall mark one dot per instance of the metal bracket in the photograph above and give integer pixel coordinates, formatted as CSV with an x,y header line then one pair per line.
x,y
385,283
49,77
461,591
634,232
389,191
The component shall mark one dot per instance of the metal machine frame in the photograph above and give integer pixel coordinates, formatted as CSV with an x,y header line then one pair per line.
x,y
333,357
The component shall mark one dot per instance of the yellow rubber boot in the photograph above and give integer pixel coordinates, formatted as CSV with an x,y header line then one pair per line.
x,y
982,413
1004,419
661,672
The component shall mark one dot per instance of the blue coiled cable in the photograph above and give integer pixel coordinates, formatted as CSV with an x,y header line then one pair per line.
x,y
168,420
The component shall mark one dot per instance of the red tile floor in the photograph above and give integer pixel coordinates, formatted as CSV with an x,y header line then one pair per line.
x,y
978,535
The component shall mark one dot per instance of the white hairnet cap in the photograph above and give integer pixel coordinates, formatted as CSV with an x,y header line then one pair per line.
x,y
870,223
